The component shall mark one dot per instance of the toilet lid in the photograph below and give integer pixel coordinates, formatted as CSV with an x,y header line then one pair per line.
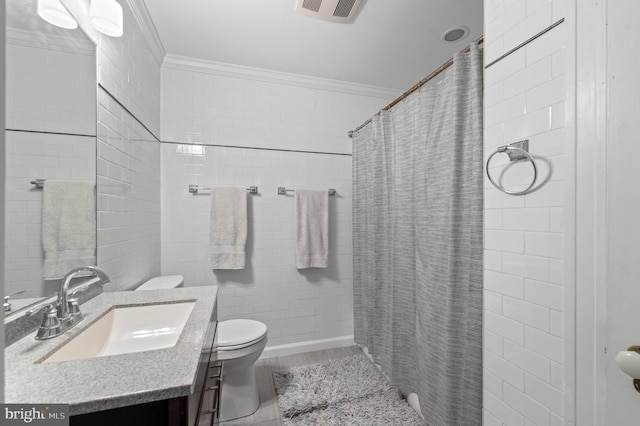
x,y
162,282
239,332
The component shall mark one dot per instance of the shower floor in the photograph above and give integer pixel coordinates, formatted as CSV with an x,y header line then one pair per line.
x,y
268,413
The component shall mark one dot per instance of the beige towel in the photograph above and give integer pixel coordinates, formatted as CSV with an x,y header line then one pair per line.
x,y
312,228
68,226
228,229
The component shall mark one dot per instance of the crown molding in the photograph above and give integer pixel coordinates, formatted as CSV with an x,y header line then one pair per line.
x,y
78,46
148,29
277,77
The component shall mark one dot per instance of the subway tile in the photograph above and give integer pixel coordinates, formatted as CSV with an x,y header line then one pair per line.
x,y
528,360
546,94
546,45
498,409
556,271
493,301
492,383
493,342
493,219
526,219
534,267
504,370
557,323
509,241
544,294
532,123
544,344
548,194
529,79
534,412
493,260
530,26
545,244
527,313
510,285
505,327
544,393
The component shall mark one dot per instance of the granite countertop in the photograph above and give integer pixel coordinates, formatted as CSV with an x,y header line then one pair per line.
x,y
103,383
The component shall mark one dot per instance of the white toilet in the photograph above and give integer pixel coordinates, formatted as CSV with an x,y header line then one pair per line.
x,y
240,343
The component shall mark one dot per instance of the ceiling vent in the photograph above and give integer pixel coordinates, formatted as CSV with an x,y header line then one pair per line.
x,y
329,10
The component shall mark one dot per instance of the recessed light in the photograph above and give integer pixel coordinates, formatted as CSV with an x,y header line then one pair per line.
x,y
454,34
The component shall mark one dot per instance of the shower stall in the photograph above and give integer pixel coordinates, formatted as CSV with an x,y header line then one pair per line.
x,y
418,242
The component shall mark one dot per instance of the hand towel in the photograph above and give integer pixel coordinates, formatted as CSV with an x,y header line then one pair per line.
x,y
312,228
68,226
228,229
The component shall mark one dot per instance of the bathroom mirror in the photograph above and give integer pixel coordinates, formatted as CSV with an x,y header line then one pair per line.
x,y
50,134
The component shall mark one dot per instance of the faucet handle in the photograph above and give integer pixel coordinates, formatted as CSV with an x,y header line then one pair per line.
x,y
50,326
79,289
49,308
7,304
74,309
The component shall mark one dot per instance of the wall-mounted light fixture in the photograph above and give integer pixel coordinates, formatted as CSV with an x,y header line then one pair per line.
x,y
106,17
55,13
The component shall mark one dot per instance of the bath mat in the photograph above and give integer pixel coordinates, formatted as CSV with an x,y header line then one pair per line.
x,y
346,391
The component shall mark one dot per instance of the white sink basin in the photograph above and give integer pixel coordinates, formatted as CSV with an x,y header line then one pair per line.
x,y
128,329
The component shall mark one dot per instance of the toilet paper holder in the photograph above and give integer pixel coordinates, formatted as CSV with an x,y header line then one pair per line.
x,y
629,362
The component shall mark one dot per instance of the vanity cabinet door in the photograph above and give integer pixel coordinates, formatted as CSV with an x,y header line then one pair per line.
x,y
210,404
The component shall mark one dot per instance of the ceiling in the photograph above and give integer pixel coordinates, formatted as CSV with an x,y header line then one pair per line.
x,y
391,43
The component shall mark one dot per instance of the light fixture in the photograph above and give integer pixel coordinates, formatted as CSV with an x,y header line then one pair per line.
x,y
55,13
106,17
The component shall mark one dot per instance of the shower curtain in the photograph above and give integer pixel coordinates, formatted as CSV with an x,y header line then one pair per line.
x,y
417,233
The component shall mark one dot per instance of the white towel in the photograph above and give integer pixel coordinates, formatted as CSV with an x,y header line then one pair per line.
x,y
68,226
312,229
228,229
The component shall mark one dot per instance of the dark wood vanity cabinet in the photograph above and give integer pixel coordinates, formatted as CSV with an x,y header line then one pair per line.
x,y
210,383
198,409
209,412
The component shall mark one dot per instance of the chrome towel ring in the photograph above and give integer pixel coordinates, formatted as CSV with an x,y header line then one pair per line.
x,y
516,151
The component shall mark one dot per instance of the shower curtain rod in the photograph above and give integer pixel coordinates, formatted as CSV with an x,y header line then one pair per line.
x,y
416,86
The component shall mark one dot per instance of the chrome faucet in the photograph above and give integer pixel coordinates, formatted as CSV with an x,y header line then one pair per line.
x,y
66,312
62,304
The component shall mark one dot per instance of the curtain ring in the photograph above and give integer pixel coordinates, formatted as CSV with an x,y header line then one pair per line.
x,y
520,154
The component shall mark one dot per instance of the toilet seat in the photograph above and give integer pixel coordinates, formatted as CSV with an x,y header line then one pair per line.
x,y
239,333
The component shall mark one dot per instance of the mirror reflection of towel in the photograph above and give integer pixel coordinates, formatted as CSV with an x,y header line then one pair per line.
x,y
68,226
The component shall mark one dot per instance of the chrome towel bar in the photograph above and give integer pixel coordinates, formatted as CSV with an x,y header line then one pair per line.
x,y
195,189
283,191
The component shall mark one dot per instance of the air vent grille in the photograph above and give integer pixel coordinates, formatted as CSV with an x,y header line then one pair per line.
x,y
343,9
312,5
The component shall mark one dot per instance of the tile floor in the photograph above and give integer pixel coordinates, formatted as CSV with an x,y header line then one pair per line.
x,y
268,413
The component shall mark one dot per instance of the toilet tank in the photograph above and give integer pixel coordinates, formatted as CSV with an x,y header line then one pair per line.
x,y
163,282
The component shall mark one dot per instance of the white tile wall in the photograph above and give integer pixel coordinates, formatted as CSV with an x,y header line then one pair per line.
x,y
50,90
128,173
297,306
128,69
524,239
31,156
204,107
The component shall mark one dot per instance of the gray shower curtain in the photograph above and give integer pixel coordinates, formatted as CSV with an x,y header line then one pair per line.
x,y
417,233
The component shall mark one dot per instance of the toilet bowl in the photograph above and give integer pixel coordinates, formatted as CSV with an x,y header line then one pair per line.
x,y
163,282
240,343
